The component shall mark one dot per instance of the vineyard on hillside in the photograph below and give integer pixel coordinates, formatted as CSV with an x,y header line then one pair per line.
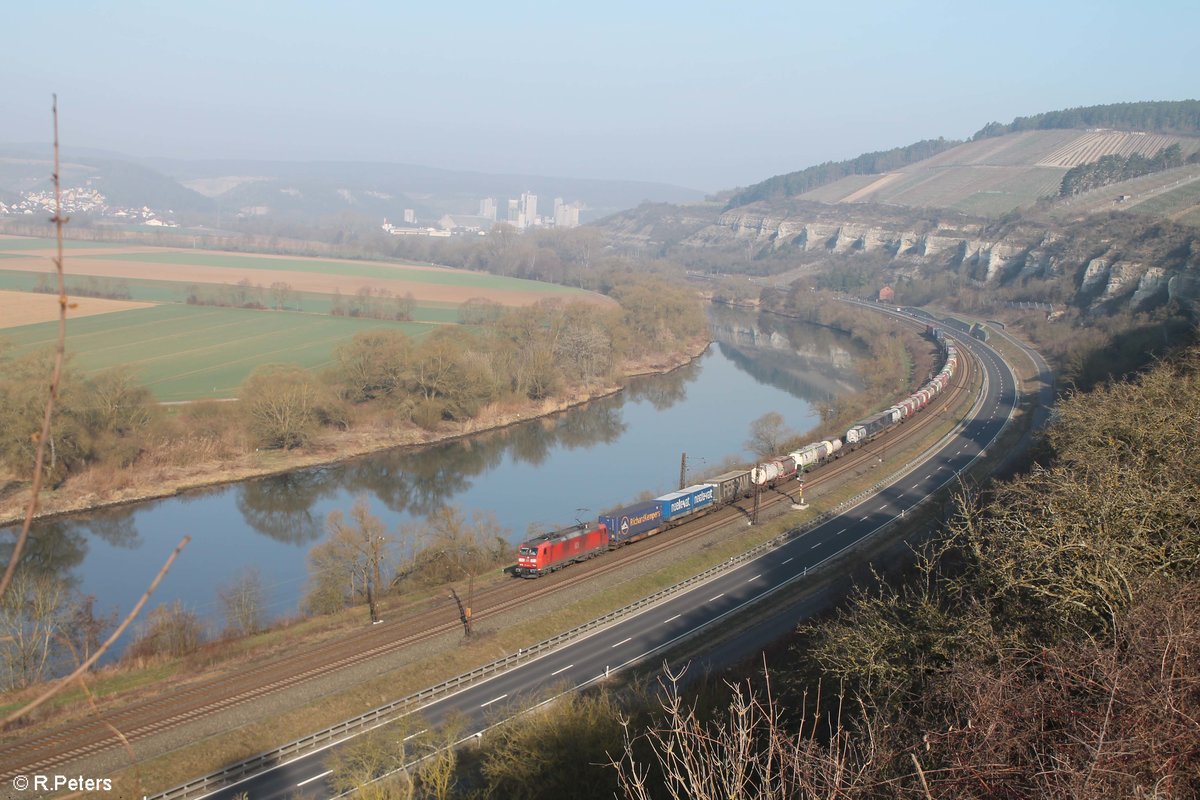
x,y
1094,145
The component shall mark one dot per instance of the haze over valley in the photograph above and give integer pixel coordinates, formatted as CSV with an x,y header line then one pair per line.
x,y
594,401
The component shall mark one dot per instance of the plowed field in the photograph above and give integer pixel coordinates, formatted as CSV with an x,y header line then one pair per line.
x,y
26,308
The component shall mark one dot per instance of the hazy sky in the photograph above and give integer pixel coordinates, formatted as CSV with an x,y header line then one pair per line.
x,y
705,95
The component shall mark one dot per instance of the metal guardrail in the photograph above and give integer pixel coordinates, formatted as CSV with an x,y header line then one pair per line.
x,y
235,773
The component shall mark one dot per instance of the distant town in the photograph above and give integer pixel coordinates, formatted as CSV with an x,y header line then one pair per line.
x,y
86,200
521,214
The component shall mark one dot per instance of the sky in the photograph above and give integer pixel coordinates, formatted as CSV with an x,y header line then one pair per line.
x,y
703,95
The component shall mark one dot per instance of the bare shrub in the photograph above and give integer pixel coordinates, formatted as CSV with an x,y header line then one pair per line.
x,y
169,630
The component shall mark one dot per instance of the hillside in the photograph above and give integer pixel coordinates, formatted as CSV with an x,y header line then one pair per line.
x,y
995,175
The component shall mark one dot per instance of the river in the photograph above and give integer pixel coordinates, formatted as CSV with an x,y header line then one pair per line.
x,y
542,474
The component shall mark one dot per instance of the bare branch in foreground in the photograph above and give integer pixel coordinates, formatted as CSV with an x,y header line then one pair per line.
x,y
100,651
55,377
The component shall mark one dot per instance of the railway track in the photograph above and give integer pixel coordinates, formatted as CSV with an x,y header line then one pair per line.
x,y
95,734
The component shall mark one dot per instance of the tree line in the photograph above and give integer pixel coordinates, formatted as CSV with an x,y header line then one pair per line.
x,y
1115,167
794,183
1165,116
108,421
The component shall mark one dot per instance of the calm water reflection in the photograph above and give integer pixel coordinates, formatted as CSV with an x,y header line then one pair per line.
x,y
543,473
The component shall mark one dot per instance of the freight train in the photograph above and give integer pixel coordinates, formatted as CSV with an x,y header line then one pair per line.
x,y
552,551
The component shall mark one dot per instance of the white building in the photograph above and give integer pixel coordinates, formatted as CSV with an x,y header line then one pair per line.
x,y
528,210
566,215
410,216
487,208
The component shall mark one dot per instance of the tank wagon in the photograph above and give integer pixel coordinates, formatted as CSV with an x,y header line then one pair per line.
x,y
552,551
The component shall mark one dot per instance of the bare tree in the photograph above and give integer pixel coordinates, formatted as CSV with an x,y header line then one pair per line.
x,y
241,602
767,435
350,562
281,403
33,614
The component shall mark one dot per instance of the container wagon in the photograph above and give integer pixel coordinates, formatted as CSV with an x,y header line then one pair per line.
x,y
633,522
686,501
731,486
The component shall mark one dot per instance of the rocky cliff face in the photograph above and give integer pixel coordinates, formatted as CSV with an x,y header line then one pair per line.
x,y
1111,266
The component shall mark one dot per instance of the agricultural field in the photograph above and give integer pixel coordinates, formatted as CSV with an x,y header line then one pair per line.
x,y
1171,194
1179,202
185,352
153,291
188,352
315,275
1094,145
25,308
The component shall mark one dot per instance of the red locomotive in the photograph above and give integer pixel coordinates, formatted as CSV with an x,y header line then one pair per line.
x,y
552,551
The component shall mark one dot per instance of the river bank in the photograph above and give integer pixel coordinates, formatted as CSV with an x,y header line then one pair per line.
x,y
90,491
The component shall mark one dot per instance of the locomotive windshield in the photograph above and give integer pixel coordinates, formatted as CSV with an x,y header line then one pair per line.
x,y
528,551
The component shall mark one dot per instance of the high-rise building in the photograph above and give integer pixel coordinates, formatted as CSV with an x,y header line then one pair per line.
x,y
487,208
566,215
410,216
529,209
513,212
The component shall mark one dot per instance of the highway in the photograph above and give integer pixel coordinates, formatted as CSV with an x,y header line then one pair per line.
x,y
641,636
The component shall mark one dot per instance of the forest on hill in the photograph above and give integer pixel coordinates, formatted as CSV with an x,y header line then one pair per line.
x,y
801,181
1166,116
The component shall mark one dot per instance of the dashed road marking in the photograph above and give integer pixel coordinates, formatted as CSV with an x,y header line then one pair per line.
x,y
494,700
672,619
623,641
718,597
564,669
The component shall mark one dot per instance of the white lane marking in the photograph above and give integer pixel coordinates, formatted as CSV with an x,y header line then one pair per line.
x,y
315,777
843,530
494,700
564,669
815,546
672,619
914,486
883,507
756,577
623,641
784,562
927,477
718,597
415,735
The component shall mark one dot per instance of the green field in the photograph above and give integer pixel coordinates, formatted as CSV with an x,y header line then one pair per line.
x,y
150,291
186,352
1171,201
475,280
